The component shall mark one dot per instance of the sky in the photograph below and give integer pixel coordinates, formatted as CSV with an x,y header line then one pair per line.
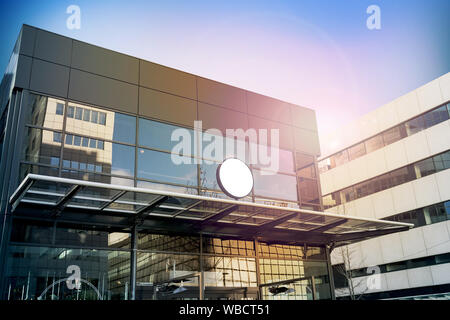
x,y
314,53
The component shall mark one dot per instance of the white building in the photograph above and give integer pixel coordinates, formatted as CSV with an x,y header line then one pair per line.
x,y
393,163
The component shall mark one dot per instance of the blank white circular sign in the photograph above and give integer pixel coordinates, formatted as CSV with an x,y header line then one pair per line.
x,y
235,178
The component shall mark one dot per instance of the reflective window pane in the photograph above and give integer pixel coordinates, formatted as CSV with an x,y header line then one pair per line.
x,y
113,158
154,165
44,112
158,135
101,124
40,146
424,168
436,116
124,128
415,125
59,108
309,190
394,134
339,158
374,143
278,186
208,175
78,113
356,151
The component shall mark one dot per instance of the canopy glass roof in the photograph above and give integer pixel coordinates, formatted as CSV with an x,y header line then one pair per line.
x,y
163,210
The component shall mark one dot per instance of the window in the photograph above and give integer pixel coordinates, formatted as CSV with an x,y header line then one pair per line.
x,y
277,186
208,175
85,142
87,115
307,172
41,146
94,116
394,134
122,162
415,125
59,109
157,135
356,151
77,141
78,113
442,161
309,190
436,116
396,266
401,176
435,213
158,166
102,118
339,158
41,111
324,165
374,143
424,168
124,128
57,137
92,143
69,138
331,200
100,144
70,111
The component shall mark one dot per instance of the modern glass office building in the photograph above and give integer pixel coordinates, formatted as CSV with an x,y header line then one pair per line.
x,y
94,207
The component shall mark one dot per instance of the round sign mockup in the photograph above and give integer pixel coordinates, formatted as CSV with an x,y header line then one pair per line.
x,y
235,178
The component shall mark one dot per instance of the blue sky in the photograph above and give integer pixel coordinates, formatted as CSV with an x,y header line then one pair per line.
x,y
318,54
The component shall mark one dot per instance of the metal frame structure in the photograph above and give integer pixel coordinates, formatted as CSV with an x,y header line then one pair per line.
x,y
164,210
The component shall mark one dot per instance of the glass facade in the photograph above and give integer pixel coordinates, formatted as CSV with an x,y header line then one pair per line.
x,y
69,139
41,253
72,140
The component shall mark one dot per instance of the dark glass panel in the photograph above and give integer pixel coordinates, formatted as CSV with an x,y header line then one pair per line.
x,y
154,165
44,112
394,134
424,168
415,125
124,127
436,116
158,135
40,146
309,190
275,185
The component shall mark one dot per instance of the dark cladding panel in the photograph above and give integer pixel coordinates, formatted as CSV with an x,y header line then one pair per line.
x,y
49,78
304,118
105,62
28,35
166,79
101,91
285,131
268,108
221,118
307,141
220,94
159,105
23,72
52,47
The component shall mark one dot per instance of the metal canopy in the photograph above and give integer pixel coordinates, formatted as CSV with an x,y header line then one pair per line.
x,y
169,212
